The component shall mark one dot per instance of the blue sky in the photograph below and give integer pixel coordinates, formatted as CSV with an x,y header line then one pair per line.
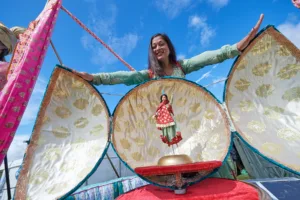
x,y
194,26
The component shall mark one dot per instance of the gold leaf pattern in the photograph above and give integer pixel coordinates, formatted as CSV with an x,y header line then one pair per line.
x,y
271,148
246,106
261,69
136,156
235,117
195,124
61,132
97,149
97,109
57,188
65,167
46,120
139,141
81,122
38,177
151,120
52,154
199,157
81,103
283,51
264,90
125,143
256,126
242,84
128,126
117,127
62,112
273,112
263,45
196,107
60,93
193,93
153,151
242,65
77,84
79,141
229,95
140,108
121,112
292,94
142,94
289,71
140,124
181,117
123,156
181,102
288,134
209,114
97,130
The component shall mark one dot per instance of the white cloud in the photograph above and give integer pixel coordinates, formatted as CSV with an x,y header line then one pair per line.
x,y
292,31
104,27
17,147
32,108
217,4
216,65
181,56
206,31
206,75
172,8
197,22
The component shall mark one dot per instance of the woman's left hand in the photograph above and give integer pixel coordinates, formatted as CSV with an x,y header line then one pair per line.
x,y
296,3
245,42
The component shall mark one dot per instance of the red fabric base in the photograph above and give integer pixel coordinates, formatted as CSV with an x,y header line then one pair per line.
x,y
209,189
172,169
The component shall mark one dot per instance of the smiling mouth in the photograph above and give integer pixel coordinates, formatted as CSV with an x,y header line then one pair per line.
x,y
160,53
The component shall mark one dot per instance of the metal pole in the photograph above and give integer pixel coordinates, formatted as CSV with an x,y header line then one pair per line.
x,y
56,53
7,178
112,165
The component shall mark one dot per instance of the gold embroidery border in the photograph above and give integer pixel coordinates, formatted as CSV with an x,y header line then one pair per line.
x,y
23,180
282,40
188,83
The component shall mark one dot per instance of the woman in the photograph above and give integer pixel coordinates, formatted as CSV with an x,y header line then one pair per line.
x,y
162,61
165,122
8,41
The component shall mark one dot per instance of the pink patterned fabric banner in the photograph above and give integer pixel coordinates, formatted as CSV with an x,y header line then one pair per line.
x,y
23,72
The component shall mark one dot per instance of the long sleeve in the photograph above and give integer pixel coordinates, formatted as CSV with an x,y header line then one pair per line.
x,y
209,58
121,77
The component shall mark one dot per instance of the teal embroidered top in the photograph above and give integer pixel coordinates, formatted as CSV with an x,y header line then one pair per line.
x,y
188,66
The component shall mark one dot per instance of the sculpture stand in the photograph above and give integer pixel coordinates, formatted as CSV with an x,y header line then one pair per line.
x,y
180,159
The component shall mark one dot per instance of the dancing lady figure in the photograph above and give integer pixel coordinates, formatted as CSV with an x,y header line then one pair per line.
x,y
165,122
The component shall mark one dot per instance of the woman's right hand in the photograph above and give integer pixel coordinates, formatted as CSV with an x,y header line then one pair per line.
x,y
84,75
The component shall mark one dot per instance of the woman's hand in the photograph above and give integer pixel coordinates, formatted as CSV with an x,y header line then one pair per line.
x,y
245,42
154,116
296,3
84,75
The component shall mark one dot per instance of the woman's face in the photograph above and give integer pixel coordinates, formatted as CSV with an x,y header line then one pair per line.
x,y
164,98
160,48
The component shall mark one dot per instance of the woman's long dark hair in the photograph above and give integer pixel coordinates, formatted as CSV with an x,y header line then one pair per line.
x,y
153,64
3,53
